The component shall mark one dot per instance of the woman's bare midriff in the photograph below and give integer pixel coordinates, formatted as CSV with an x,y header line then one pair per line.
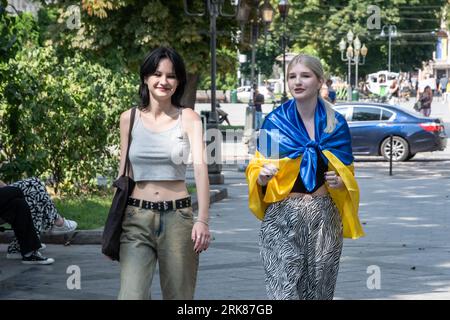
x,y
319,192
160,190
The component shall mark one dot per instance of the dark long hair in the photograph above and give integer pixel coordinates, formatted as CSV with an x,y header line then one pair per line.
x,y
149,67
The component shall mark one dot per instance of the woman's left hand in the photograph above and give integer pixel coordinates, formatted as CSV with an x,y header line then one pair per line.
x,y
334,181
200,236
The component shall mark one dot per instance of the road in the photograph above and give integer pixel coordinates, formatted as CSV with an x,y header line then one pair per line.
x,y
404,255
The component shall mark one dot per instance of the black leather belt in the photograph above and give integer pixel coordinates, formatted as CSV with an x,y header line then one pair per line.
x,y
161,205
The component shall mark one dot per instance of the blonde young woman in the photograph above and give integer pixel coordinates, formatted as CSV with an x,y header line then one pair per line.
x,y
302,187
158,225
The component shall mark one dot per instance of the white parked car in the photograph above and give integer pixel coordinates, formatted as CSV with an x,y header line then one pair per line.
x,y
244,93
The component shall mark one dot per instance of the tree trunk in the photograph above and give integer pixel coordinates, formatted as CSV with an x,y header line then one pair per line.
x,y
190,91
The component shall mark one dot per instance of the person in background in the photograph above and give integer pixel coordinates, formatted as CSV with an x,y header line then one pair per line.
x,y
15,211
447,92
258,102
394,90
443,82
223,116
324,94
331,91
44,214
425,101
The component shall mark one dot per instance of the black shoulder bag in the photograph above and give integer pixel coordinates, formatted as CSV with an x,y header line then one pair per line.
x,y
113,226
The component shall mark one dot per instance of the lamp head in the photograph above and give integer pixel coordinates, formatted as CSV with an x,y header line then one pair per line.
x,y
243,13
357,43
350,52
283,8
350,36
342,45
267,12
364,50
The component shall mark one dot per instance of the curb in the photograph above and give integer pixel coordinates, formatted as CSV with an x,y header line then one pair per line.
x,y
95,236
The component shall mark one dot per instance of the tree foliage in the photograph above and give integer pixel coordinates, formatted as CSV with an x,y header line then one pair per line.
x,y
59,117
119,33
322,24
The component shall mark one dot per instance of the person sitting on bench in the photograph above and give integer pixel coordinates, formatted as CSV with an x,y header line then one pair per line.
x,y
45,216
15,211
223,116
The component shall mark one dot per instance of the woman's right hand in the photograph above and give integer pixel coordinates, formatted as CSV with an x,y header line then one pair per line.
x,y
267,172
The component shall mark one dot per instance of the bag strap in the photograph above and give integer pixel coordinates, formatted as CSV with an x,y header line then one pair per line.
x,y
127,161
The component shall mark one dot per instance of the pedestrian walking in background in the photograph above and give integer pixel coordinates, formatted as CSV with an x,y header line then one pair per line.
x,y
331,91
394,90
15,211
443,87
324,94
158,223
301,185
447,93
443,82
425,101
258,102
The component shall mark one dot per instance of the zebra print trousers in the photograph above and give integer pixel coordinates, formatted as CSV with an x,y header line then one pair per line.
x,y
301,244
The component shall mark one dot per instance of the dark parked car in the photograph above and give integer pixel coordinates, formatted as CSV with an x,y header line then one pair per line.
x,y
371,125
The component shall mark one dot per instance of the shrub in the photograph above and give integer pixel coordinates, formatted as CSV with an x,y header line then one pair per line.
x,y
60,118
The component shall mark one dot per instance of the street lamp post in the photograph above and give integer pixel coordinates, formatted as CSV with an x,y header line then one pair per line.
x,y
391,32
352,58
264,13
283,8
215,9
359,51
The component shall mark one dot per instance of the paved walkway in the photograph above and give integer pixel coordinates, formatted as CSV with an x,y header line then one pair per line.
x,y
405,217
408,243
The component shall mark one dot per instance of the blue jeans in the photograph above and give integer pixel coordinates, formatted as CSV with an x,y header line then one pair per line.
x,y
258,119
148,236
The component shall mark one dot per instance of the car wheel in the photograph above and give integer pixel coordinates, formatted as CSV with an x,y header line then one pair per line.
x,y
400,149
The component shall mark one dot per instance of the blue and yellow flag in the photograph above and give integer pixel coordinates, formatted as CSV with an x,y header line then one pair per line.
x,y
285,143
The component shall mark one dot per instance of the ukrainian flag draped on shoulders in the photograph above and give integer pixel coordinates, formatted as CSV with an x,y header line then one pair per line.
x,y
285,143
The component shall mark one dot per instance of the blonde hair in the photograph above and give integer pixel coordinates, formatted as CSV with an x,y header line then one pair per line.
x,y
316,67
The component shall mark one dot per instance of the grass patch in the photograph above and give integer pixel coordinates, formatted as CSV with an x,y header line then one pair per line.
x,y
90,211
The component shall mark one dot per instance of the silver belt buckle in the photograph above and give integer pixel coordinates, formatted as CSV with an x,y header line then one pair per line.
x,y
166,205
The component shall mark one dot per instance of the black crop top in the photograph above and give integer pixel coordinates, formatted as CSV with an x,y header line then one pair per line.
x,y
320,178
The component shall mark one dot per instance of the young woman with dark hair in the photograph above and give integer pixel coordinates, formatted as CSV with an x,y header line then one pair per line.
x,y
159,223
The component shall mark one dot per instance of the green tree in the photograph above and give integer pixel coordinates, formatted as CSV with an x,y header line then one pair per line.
x,y
322,24
16,32
267,49
118,34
